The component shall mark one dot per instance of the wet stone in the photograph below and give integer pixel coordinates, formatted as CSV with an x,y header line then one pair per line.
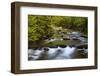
x,y
62,46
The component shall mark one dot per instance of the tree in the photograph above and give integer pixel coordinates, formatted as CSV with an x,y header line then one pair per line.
x,y
38,28
81,24
43,27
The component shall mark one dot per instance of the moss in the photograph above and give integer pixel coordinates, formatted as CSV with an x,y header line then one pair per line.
x,y
62,42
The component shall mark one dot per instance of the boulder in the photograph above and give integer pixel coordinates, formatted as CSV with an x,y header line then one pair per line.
x,y
53,46
66,39
71,46
62,46
46,49
82,46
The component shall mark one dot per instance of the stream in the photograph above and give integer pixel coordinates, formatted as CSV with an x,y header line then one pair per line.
x,y
61,52
48,53
51,53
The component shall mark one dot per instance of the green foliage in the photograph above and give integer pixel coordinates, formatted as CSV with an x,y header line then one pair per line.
x,y
63,42
81,24
39,28
74,23
42,27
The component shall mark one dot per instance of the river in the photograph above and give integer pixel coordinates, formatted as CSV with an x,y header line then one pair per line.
x,y
76,47
54,53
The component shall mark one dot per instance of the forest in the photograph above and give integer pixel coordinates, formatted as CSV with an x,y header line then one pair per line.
x,y
41,28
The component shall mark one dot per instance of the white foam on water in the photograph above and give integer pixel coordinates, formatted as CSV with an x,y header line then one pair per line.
x,y
67,51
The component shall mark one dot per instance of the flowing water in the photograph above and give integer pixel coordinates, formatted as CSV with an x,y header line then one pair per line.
x,y
52,53
66,52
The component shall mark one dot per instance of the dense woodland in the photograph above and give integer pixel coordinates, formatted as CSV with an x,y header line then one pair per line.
x,y
45,27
